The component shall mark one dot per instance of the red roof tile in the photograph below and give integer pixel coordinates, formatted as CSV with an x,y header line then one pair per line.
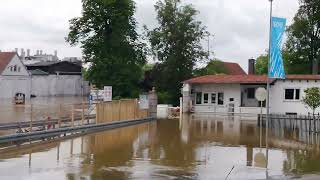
x,y
228,79
244,79
5,58
303,77
234,69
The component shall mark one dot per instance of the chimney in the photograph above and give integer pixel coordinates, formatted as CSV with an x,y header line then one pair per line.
x,y
37,53
40,52
55,53
251,66
23,55
28,52
16,50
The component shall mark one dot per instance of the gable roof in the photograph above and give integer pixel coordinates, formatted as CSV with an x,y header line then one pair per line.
x,y
233,68
5,58
244,79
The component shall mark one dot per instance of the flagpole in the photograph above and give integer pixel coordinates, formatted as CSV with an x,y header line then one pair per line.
x,y
268,86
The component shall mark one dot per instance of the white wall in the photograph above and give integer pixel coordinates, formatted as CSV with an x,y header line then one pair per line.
x,y
278,104
58,85
229,90
10,85
249,102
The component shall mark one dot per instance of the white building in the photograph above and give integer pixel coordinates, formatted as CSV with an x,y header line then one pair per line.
x,y
236,94
54,78
14,77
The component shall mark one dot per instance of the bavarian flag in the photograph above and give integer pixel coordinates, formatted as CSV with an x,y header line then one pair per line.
x,y
276,69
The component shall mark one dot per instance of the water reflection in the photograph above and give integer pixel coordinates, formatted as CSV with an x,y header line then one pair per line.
x,y
196,147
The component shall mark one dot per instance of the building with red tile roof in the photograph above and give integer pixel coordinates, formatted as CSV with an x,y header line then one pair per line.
x,y
236,93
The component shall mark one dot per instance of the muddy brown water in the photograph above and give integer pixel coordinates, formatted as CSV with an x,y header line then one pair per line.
x,y
197,147
42,107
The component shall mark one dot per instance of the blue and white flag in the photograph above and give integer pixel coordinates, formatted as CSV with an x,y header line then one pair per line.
x,y
276,69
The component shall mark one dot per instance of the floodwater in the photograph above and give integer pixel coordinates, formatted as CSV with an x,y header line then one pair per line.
x,y
42,107
197,147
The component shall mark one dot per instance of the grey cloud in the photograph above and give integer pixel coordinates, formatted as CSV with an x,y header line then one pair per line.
x,y
240,26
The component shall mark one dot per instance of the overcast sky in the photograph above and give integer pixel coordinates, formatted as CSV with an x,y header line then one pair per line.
x,y
240,27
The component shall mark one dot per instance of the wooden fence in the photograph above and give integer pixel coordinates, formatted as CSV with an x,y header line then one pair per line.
x,y
119,110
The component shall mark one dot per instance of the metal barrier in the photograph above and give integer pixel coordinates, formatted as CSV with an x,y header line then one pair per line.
x,y
63,131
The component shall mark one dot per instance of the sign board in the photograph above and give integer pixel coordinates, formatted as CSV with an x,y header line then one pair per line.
x,y
261,94
143,101
107,93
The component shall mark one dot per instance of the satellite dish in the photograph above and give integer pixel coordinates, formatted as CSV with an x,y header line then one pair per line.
x,y
261,94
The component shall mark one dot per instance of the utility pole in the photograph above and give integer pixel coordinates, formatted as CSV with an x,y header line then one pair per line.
x,y
268,87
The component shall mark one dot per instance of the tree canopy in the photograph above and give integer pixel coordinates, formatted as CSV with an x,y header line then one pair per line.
x,y
312,98
176,43
107,34
303,42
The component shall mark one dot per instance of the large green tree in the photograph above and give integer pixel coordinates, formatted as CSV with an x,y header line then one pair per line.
x,y
176,43
303,41
107,33
290,65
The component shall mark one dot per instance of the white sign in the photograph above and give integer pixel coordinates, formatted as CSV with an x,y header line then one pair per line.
x,y
261,94
143,101
107,93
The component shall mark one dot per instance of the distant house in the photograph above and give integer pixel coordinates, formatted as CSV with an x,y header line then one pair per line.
x,y
45,78
57,78
57,67
236,93
14,77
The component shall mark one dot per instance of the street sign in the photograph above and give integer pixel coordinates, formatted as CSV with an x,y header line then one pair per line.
x,y
261,94
107,93
143,101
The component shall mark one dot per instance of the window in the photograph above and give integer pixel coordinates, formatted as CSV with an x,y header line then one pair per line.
x,y
15,68
251,93
297,97
198,98
292,94
19,69
205,98
220,98
213,98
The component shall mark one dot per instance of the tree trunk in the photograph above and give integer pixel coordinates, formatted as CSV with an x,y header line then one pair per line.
x,y
315,66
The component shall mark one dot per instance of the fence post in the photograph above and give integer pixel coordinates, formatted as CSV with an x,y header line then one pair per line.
x,y
97,112
31,118
135,108
153,102
72,116
82,114
59,116
119,110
